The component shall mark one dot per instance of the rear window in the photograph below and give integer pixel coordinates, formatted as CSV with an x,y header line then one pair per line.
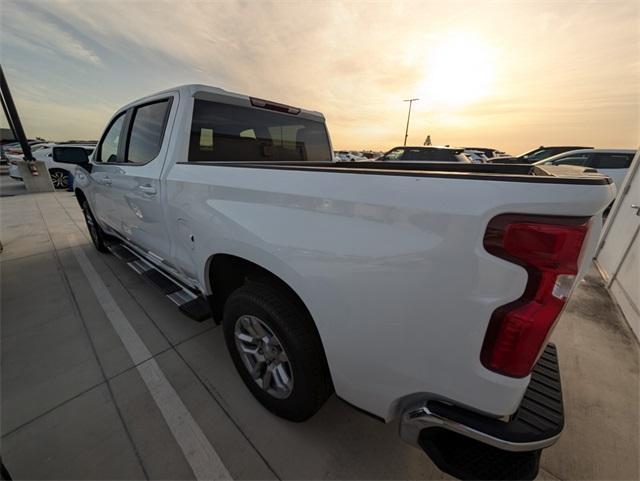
x,y
230,133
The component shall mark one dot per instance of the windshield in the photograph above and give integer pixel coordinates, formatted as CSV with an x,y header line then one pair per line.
x,y
538,154
231,133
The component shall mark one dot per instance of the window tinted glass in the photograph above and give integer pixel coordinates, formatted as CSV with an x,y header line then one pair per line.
x,y
147,130
541,154
109,146
432,155
612,161
230,133
572,160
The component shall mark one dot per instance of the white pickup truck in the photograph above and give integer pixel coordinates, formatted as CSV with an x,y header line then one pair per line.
x,y
420,291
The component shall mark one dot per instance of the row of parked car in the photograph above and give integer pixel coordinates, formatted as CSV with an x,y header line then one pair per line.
x,y
613,163
42,150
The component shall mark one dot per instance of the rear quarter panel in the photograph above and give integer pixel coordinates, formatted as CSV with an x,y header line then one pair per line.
x,y
391,268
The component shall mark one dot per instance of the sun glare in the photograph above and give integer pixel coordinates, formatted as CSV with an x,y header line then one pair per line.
x,y
459,71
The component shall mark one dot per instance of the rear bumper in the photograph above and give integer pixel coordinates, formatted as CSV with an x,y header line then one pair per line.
x,y
462,442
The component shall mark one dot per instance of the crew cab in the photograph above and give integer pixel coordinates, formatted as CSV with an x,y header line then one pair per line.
x,y
424,291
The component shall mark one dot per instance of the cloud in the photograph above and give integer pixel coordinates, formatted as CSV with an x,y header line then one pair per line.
x,y
354,61
32,31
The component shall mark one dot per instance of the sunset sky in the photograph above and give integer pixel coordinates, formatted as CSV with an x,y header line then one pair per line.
x,y
510,75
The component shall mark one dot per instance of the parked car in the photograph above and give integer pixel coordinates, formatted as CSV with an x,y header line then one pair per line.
x,y
476,156
436,311
349,156
59,171
425,154
489,153
613,163
536,155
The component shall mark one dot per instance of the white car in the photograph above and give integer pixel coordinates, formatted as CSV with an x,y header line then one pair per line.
x,y
418,290
347,156
613,163
59,172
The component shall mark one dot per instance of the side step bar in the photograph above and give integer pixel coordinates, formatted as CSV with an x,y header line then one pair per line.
x,y
191,304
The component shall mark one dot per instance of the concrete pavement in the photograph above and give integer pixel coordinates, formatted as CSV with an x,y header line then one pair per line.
x,y
75,404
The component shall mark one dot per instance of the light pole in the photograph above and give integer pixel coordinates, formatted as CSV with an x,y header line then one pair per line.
x,y
406,132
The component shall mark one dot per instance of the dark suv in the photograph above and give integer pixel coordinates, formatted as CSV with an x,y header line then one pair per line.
x,y
537,155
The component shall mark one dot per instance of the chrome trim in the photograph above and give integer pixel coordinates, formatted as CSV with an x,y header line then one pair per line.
x,y
419,417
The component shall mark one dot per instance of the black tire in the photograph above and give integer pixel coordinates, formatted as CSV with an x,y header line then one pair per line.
x,y
296,332
59,178
95,231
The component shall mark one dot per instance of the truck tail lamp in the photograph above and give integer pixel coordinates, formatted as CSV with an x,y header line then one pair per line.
x,y
548,247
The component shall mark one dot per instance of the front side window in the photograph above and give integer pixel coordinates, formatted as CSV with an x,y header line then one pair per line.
x,y
147,132
109,147
231,133
572,160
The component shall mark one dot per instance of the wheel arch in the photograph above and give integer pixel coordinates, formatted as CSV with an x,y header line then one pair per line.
x,y
227,272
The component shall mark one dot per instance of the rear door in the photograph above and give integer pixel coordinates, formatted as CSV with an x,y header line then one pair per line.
x,y
135,180
614,165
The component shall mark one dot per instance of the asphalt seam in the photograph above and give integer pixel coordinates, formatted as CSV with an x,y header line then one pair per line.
x,y
209,390
212,393
198,451
78,313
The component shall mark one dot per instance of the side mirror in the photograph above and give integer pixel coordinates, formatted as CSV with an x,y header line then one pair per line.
x,y
70,155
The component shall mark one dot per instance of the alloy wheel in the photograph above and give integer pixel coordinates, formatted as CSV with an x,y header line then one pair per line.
x,y
60,180
264,356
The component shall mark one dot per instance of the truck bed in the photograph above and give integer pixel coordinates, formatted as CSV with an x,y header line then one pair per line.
x,y
504,172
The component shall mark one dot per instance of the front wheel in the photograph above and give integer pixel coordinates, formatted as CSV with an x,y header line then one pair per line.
x,y
276,350
95,231
59,178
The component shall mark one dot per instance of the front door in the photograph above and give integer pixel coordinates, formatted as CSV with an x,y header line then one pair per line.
x,y
107,153
135,182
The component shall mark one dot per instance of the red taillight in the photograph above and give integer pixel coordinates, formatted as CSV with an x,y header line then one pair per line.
x,y
549,249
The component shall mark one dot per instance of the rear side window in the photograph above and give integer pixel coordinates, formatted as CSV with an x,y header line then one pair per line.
x,y
147,130
433,155
611,161
231,133
109,147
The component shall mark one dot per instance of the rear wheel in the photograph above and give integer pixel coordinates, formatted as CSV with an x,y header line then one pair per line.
x,y
59,178
95,231
276,350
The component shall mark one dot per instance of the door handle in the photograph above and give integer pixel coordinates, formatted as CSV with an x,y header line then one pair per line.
x,y
636,207
147,189
106,180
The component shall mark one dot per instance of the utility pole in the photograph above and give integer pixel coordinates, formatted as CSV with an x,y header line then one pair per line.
x,y
406,132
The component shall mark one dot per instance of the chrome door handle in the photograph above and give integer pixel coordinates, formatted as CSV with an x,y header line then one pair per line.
x,y
636,207
147,189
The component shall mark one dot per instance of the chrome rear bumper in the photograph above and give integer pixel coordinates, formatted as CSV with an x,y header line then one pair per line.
x,y
450,434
